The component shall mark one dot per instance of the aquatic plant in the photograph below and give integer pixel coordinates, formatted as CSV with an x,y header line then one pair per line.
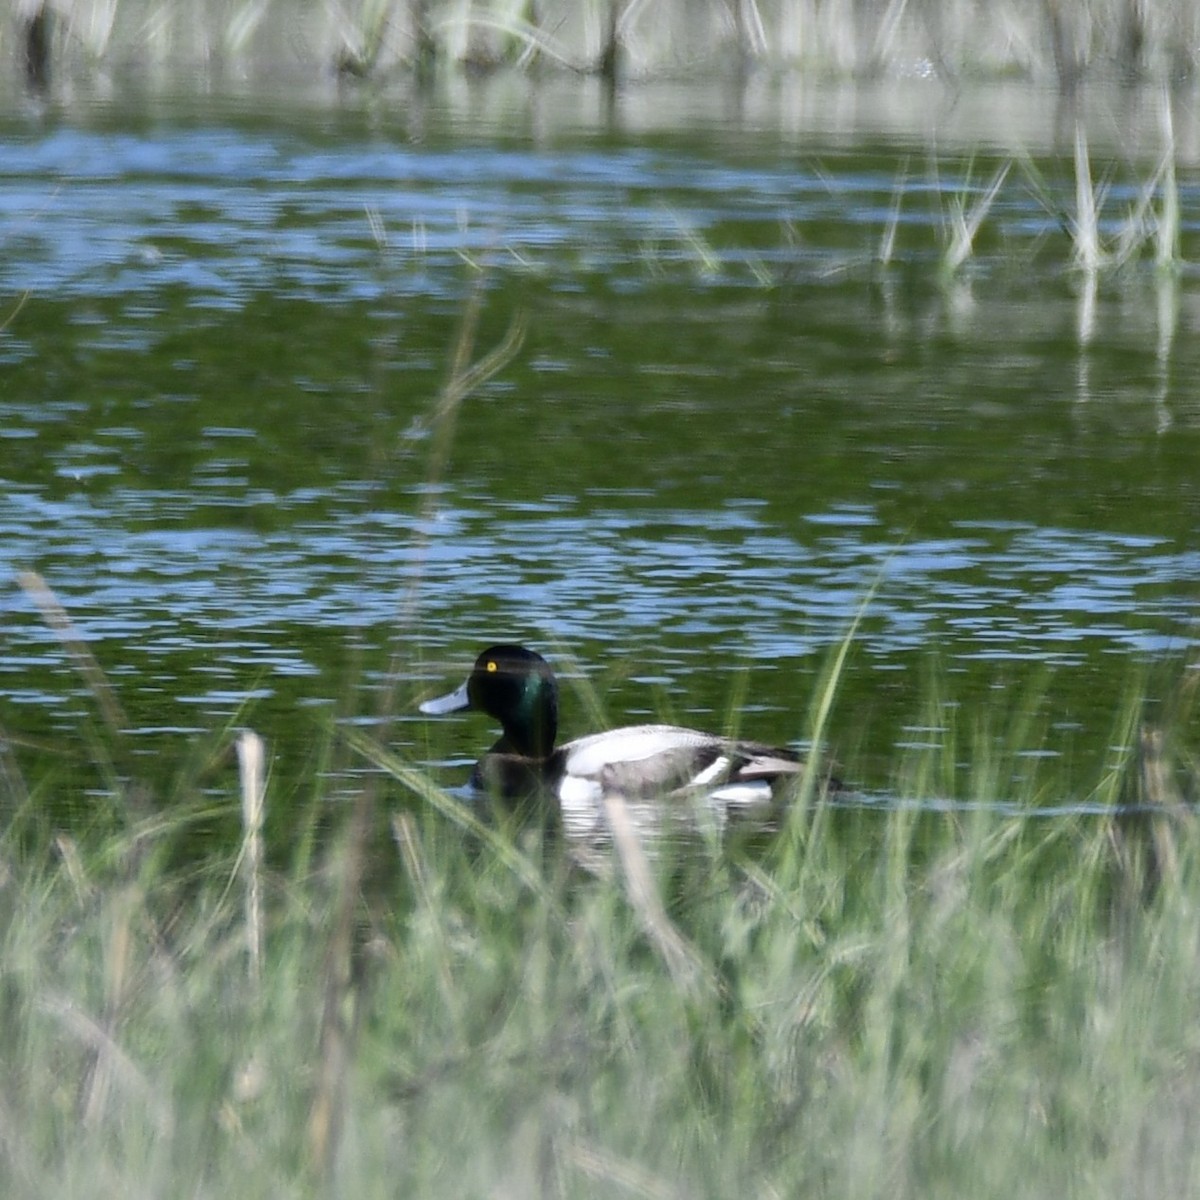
x,y
966,216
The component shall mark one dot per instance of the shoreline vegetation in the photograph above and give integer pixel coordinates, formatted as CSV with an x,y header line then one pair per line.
x,y
406,997
1050,41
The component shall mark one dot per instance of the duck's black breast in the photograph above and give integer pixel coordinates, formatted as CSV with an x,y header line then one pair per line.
x,y
513,776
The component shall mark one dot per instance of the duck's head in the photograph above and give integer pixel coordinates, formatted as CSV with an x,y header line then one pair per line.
x,y
517,687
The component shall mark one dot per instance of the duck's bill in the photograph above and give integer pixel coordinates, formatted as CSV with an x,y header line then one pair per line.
x,y
454,701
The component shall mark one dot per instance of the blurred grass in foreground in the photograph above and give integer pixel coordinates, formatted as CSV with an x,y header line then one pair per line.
x,y
885,1002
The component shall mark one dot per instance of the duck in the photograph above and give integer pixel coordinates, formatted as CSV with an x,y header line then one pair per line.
x,y
517,687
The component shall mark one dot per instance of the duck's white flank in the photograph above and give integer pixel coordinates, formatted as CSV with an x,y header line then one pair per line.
x,y
588,756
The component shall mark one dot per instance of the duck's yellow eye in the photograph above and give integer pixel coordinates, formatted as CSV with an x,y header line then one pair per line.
x,y
491,666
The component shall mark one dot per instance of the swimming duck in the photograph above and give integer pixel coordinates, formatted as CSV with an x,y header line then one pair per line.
x,y
517,687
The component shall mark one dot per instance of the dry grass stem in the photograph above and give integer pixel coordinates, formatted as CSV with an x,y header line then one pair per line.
x,y
1085,227
112,1066
409,844
15,312
608,1168
685,965
965,223
251,759
57,618
345,971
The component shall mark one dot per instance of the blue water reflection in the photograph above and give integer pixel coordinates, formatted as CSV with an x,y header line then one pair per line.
x,y
723,577
740,296
222,213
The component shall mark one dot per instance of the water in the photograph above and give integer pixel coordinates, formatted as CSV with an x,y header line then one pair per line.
x,y
729,424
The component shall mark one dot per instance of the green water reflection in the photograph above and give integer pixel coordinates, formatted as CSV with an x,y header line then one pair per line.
x,y
727,424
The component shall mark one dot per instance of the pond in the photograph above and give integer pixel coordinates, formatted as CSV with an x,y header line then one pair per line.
x,y
746,399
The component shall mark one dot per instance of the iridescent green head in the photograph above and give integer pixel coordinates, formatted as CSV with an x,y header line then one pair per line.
x,y
517,687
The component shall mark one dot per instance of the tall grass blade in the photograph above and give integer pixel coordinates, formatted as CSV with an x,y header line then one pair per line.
x,y
118,1069
453,810
797,829
1159,789
15,311
965,223
341,1008
826,693
887,242
686,967
345,971
109,1064
1167,253
57,618
535,41
1085,228
251,756
627,1177
244,22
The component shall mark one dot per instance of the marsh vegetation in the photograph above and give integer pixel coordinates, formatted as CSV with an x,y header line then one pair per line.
x,y
860,418
906,999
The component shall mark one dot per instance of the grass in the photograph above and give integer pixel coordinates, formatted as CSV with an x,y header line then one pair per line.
x,y
966,216
905,1003
1079,231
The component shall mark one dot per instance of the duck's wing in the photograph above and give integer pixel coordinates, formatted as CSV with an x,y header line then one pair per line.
x,y
656,760
637,760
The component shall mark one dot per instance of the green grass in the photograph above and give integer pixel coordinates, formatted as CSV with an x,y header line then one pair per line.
x,y
881,1002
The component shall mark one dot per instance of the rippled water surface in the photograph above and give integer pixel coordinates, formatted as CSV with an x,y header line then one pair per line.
x,y
747,400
